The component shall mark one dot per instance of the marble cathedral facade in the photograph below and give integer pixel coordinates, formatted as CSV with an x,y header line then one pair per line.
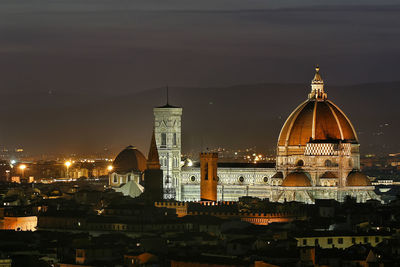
x,y
317,158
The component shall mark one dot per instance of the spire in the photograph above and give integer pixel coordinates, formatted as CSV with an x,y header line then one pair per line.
x,y
167,105
167,95
153,161
317,87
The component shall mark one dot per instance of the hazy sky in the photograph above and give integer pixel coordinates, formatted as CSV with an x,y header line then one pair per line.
x,y
108,48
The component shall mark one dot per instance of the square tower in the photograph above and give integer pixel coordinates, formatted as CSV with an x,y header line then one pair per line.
x,y
208,173
167,130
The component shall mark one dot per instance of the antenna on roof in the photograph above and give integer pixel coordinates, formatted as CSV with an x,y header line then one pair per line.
x,y
167,95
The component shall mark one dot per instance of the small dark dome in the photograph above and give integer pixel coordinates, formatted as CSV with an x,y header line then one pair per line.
x,y
129,159
296,178
356,178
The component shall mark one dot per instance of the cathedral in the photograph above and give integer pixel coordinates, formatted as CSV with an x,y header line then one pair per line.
x,y
317,158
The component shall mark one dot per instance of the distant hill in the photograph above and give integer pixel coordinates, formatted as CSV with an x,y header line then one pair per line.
x,y
238,116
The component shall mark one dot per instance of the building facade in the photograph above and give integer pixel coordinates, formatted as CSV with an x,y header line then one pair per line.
x,y
317,158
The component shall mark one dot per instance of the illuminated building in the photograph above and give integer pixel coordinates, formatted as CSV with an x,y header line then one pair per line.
x,y
130,171
318,152
128,166
317,158
167,129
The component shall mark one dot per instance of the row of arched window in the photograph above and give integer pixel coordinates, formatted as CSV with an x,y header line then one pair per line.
x,y
327,163
164,162
164,139
240,179
115,178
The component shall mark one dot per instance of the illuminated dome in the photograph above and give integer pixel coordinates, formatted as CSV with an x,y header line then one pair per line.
x,y
317,119
357,178
129,159
296,179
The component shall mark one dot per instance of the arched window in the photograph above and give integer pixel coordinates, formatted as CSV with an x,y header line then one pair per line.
x,y
300,163
163,139
164,162
328,163
265,179
193,178
129,177
241,179
206,172
115,179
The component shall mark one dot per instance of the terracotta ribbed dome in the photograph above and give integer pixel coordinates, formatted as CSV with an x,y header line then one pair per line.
x,y
319,121
129,159
316,119
296,179
357,178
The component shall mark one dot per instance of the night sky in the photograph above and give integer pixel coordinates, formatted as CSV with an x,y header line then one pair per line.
x,y
78,76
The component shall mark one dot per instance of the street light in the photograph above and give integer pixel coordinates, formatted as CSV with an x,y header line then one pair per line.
x,y
67,164
110,168
22,167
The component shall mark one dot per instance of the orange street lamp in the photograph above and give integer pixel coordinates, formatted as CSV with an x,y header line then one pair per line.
x,y
22,167
67,164
110,168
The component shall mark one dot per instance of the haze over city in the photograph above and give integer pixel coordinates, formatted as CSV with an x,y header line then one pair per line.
x,y
179,133
88,73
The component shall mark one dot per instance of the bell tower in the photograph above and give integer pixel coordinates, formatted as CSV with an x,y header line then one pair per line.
x,y
209,178
167,131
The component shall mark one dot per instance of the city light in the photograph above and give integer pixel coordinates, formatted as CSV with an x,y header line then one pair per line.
x,y
22,167
110,168
67,164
